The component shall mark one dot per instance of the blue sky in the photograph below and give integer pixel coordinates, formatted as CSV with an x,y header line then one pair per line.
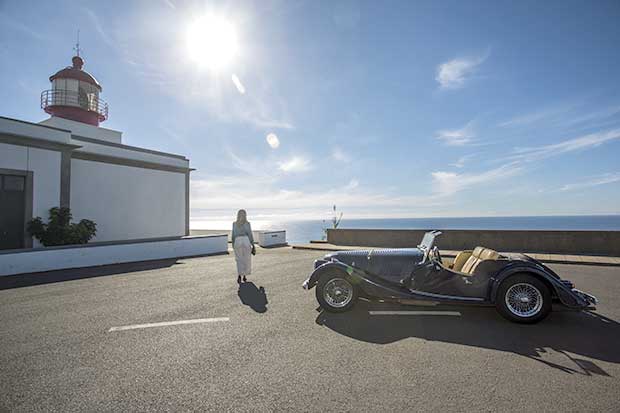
x,y
387,109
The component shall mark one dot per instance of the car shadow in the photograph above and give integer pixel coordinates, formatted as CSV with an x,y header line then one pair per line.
x,y
253,297
570,333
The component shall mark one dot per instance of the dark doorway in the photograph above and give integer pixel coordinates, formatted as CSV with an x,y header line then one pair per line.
x,y
12,211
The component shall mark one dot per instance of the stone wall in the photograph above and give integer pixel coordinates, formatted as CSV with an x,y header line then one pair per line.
x,y
551,242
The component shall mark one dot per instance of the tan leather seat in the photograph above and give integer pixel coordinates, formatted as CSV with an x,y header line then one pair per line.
x,y
460,260
477,256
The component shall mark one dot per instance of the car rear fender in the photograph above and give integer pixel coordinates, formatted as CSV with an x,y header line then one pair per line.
x,y
558,288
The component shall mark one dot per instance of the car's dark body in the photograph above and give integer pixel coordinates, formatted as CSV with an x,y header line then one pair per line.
x,y
407,274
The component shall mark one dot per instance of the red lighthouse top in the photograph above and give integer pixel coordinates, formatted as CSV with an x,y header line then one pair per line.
x,y
76,72
75,95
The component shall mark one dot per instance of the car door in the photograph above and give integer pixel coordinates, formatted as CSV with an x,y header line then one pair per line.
x,y
435,278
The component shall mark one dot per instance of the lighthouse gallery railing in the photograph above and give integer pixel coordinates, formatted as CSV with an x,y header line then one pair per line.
x,y
87,101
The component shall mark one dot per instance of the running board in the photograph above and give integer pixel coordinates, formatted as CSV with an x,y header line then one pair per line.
x,y
447,297
418,302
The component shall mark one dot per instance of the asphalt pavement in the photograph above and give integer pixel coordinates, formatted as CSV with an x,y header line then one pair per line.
x,y
89,340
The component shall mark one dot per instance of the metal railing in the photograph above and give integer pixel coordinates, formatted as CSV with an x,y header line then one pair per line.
x,y
86,101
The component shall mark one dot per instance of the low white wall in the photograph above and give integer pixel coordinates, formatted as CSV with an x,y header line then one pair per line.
x,y
48,259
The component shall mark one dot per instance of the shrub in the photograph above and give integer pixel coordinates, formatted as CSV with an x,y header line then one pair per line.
x,y
60,231
335,220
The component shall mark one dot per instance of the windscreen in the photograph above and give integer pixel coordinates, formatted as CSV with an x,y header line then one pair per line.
x,y
429,240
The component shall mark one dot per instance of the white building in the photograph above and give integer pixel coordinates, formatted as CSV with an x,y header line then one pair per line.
x,y
68,160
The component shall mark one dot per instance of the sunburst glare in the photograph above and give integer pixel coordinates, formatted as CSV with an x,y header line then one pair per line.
x,y
212,42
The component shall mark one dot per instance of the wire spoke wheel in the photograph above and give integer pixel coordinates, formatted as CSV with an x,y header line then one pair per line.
x,y
524,300
338,292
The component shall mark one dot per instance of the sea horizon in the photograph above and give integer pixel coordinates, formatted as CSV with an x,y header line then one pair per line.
x,y
305,230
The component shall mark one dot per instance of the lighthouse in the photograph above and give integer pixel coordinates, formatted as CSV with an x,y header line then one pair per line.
x,y
69,160
75,95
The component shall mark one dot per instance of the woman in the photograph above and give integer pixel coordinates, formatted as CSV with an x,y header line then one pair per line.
x,y
243,244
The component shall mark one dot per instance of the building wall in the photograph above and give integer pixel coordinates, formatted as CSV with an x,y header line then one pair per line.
x,y
45,165
128,202
83,129
119,152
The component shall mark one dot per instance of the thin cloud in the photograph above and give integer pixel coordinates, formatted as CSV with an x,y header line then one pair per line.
x,y
266,123
455,73
295,164
227,193
259,107
353,184
449,183
457,137
583,142
170,4
603,179
605,113
460,163
340,156
264,112
15,25
257,170
563,115
536,116
96,24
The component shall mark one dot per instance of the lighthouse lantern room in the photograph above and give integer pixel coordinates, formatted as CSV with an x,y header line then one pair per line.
x,y
75,95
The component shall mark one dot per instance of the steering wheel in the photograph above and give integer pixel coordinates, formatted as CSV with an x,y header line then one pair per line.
x,y
437,255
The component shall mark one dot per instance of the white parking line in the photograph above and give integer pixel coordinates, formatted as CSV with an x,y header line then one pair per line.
x,y
453,313
169,323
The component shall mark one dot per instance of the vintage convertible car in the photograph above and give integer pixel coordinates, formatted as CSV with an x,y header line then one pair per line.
x,y
520,287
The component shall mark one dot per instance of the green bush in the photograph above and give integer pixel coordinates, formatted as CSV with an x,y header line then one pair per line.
x,y
60,231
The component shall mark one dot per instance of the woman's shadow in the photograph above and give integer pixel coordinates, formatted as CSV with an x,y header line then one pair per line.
x,y
254,297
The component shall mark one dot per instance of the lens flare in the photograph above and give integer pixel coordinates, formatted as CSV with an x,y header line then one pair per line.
x,y
273,140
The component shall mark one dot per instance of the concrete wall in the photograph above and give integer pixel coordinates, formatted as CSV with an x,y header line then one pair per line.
x,y
57,258
83,129
31,130
217,231
126,153
558,242
128,202
45,165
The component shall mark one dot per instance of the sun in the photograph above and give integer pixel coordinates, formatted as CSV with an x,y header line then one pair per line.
x,y
212,42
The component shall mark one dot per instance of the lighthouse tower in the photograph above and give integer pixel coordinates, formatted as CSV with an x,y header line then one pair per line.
x,y
75,95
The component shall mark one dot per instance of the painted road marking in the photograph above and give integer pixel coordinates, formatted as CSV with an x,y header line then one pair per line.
x,y
453,313
169,323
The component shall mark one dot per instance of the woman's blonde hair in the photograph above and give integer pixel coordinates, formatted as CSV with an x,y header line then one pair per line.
x,y
242,216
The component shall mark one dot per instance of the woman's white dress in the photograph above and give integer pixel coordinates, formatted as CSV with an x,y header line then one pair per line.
x,y
243,255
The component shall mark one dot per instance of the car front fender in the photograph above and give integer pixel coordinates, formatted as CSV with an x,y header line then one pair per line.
x,y
322,269
566,295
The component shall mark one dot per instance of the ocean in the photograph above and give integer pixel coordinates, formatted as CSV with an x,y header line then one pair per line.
x,y
304,231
